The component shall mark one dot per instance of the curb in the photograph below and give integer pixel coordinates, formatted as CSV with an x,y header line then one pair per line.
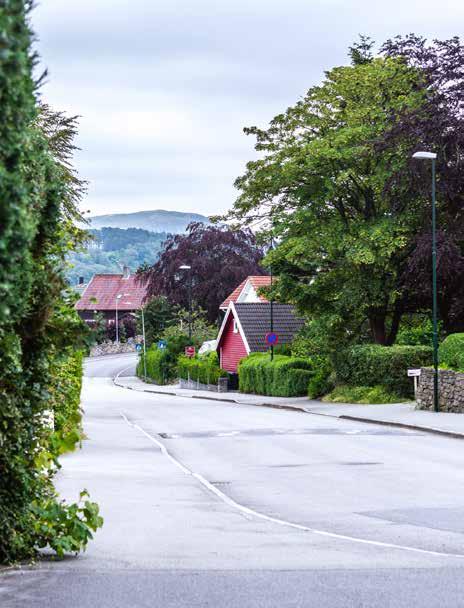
x,y
296,408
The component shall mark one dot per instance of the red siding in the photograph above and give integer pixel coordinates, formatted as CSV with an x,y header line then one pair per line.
x,y
231,347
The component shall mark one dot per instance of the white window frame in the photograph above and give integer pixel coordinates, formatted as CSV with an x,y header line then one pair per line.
x,y
235,326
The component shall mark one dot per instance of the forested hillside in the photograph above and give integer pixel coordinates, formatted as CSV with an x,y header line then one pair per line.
x,y
109,248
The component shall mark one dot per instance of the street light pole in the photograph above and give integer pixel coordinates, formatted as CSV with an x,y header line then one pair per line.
x,y
144,346
433,157
118,297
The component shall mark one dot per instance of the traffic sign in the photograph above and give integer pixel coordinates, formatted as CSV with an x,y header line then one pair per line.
x,y
162,344
272,338
413,373
190,351
138,348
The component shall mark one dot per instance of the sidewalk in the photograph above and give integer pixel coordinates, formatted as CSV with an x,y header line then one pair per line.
x,y
397,415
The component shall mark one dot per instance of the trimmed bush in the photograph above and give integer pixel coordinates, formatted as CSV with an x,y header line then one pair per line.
x,y
161,365
451,352
282,377
204,369
372,364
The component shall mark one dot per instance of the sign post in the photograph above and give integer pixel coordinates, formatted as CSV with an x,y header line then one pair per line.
x,y
190,351
414,373
271,340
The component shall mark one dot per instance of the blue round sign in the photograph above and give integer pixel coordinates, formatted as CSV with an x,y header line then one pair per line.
x,y
272,338
138,347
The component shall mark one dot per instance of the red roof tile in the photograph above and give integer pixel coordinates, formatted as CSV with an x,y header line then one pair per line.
x,y
256,281
102,290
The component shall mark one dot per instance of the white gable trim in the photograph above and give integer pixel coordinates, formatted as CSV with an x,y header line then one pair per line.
x,y
231,310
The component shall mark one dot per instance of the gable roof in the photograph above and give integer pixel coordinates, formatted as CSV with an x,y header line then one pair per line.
x,y
101,292
256,281
254,322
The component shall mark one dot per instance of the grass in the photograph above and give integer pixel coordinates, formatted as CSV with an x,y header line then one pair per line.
x,y
363,395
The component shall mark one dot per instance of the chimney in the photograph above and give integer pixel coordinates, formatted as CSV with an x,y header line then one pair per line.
x,y
125,272
81,280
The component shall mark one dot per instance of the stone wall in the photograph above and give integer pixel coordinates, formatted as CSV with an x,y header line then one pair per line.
x,y
113,348
450,390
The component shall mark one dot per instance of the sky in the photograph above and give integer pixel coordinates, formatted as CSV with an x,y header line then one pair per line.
x,y
164,88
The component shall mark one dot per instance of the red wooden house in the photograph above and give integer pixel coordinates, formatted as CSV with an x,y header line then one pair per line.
x,y
244,329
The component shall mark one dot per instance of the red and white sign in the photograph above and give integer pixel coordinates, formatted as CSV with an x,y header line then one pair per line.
x,y
190,351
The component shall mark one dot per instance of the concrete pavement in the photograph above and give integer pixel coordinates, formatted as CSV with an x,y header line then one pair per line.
x,y
336,513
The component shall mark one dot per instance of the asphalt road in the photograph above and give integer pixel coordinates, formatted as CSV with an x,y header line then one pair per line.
x,y
210,504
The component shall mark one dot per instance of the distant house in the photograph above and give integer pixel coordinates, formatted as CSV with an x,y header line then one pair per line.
x,y
108,293
245,326
247,291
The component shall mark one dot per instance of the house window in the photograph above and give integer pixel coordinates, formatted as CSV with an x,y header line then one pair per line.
x,y
235,327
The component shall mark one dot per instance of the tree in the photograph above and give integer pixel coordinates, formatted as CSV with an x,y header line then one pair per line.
x,y
220,258
321,184
437,125
158,315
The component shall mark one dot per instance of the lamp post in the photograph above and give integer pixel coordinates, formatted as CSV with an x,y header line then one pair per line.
x,y
189,268
433,157
144,346
118,297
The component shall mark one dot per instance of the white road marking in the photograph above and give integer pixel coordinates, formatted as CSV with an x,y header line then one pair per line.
x,y
251,513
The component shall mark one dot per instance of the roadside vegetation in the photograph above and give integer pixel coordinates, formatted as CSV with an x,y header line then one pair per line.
x,y
41,336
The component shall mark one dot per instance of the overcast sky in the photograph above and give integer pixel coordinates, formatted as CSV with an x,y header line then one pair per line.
x,y
165,87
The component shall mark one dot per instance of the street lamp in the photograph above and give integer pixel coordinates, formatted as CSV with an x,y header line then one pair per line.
x,y
118,297
433,157
189,268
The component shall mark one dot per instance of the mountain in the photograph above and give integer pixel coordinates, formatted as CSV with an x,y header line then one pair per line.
x,y
158,221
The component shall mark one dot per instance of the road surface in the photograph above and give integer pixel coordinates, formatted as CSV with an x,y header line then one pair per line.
x,y
221,505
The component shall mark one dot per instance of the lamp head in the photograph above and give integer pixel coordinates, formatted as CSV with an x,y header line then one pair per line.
x,y
424,155
184,267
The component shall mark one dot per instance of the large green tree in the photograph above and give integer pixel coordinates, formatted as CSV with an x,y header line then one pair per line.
x,y
319,187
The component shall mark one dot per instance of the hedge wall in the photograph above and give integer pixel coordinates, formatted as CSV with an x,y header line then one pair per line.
x,y
451,352
283,377
204,369
161,365
372,364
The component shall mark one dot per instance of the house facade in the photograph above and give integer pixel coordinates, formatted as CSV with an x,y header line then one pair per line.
x,y
245,326
112,295
247,291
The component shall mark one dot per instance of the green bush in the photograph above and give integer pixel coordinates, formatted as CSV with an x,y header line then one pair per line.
x,y
372,364
282,377
362,394
65,398
451,352
160,365
204,369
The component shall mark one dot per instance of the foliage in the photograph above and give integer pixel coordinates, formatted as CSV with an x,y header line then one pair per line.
x,y
415,331
39,193
204,369
438,126
362,394
105,250
220,258
451,352
161,364
372,364
158,315
282,377
64,402
349,207
322,380
65,528
99,328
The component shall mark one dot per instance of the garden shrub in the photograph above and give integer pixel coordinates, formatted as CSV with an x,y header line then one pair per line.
x,y
362,394
451,352
282,377
160,365
372,364
204,368
64,402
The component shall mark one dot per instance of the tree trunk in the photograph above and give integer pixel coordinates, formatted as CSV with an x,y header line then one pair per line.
x,y
377,326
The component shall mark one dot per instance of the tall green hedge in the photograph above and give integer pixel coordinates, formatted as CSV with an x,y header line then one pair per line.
x,y
39,192
451,352
372,364
160,365
282,377
204,369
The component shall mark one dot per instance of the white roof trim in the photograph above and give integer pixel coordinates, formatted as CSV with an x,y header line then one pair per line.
x,y
231,309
